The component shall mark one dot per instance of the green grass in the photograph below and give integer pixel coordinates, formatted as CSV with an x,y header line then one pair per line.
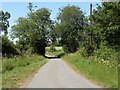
x,y
56,47
0,73
16,70
57,52
103,73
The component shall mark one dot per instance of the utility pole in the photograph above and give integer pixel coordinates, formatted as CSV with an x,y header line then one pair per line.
x,y
90,24
90,48
90,9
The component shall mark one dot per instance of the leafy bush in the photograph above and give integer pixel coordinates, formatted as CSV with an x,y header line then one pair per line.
x,y
8,48
106,53
59,53
82,52
8,66
86,51
22,45
52,48
0,45
11,63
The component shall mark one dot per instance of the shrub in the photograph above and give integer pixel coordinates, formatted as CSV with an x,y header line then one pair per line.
x,y
106,53
7,66
52,48
8,48
82,52
86,51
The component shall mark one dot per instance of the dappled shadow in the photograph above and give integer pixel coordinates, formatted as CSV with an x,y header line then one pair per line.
x,y
60,55
50,57
54,57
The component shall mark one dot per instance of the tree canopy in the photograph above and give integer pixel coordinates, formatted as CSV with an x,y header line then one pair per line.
x,y
106,22
70,27
34,29
4,23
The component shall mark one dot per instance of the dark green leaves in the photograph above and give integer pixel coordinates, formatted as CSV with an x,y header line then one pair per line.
x,y
70,28
4,23
33,30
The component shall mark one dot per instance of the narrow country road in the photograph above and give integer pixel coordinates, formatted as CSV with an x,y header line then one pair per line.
x,y
56,74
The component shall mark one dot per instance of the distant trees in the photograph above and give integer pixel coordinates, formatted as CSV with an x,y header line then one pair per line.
x,y
33,30
70,27
39,32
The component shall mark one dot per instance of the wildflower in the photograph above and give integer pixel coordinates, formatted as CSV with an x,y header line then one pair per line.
x,y
102,60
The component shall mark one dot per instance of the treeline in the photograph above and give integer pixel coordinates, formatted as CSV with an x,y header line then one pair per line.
x,y
7,46
98,34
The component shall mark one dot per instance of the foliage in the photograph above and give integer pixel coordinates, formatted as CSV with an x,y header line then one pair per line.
x,y
56,51
4,23
0,46
33,30
21,31
106,21
82,52
8,48
97,53
70,27
52,48
30,7
41,21
53,36
22,45
104,28
106,53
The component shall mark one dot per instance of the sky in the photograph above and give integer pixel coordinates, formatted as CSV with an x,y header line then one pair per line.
x,y
19,9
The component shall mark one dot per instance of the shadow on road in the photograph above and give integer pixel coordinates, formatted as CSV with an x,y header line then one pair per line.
x,y
51,57
54,57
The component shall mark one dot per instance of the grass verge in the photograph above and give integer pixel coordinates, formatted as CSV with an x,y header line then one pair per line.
x,y
16,70
57,52
101,72
0,73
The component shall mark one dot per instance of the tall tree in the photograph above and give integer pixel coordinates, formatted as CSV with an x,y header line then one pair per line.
x,y
34,30
41,21
70,27
21,30
106,20
8,48
4,23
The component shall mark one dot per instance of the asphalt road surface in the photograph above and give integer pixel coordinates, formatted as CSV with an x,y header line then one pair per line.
x,y
56,74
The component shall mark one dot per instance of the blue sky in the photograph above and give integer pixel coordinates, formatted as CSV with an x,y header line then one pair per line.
x,y
18,9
